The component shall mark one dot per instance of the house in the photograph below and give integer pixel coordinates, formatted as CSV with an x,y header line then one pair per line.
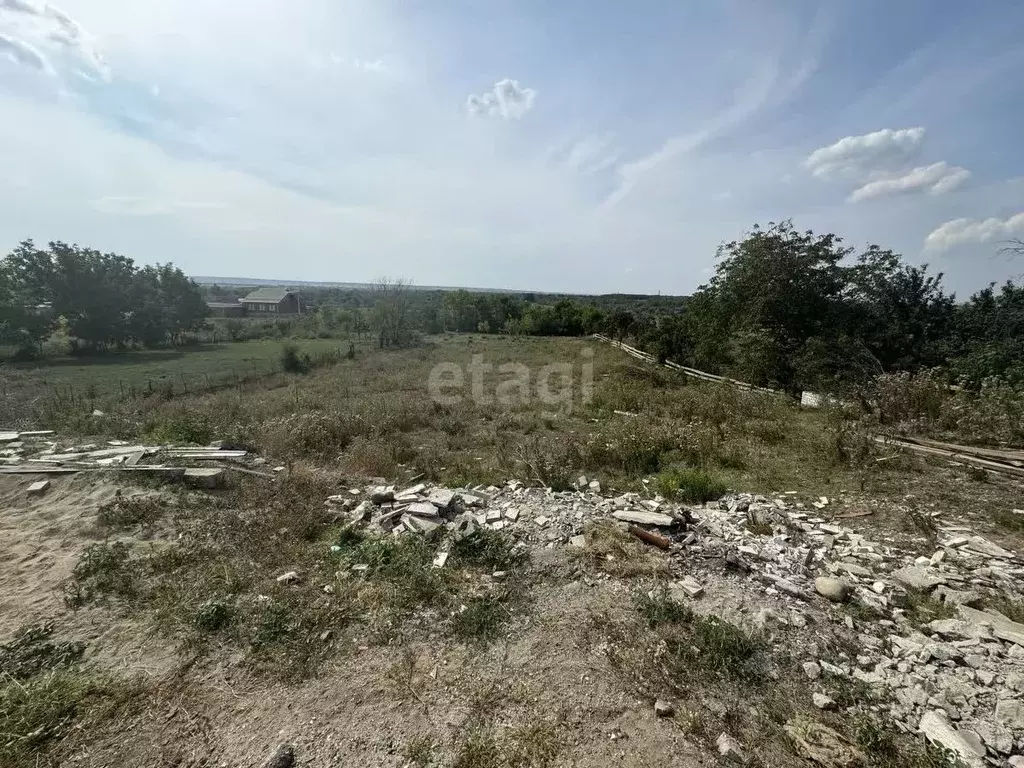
x,y
226,308
272,300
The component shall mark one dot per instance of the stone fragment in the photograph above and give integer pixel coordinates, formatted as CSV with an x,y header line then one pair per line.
x,y
730,749
938,730
854,569
812,669
986,547
421,509
821,701
914,577
594,486
822,745
664,708
413,490
38,488
1002,627
1010,713
283,757
835,590
440,559
579,541
643,517
382,494
291,577
441,498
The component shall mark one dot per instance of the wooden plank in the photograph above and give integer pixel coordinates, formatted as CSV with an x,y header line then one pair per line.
x,y
985,453
994,466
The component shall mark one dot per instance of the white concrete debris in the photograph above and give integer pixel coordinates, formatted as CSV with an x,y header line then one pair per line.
x,y
966,668
938,730
730,749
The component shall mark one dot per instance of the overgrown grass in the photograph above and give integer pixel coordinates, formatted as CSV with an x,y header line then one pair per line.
x,y
530,746
692,485
922,608
44,689
610,549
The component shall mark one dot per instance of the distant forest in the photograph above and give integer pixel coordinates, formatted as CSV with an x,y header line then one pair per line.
x,y
785,308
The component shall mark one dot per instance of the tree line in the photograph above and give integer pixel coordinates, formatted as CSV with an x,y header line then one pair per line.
x,y
98,300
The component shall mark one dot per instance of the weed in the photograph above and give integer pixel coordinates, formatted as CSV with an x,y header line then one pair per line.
x,y
213,615
1011,609
922,608
481,620
1010,521
31,651
657,608
478,750
36,711
489,549
717,648
103,570
130,511
759,527
692,485
420,752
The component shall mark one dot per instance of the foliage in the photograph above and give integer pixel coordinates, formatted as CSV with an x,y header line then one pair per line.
x,y
101,300
692,485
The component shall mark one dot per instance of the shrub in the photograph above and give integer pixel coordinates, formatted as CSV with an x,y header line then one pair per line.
x,y
692,485
294,361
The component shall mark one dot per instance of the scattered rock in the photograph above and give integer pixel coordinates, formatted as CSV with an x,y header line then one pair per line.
x,y
812,669
835,590
291,577
821,701
915,577
822,745
38,488
730,749
664,708
1010,713
283,757
938,730
641,517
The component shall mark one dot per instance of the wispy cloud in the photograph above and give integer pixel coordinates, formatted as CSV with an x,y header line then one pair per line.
x,y
936,179
965,231
42,37
859,156
507,99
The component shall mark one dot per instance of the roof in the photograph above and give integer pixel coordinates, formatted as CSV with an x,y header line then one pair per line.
x,y
272,294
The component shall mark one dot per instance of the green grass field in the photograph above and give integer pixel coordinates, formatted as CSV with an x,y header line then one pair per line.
x,y
105,380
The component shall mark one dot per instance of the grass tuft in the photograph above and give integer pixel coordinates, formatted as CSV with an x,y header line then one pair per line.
x,y
691,485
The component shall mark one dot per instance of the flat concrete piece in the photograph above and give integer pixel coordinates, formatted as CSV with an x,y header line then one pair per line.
x,y
39,487
207,477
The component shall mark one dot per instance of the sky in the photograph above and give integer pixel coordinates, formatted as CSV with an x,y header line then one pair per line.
x,y
585,146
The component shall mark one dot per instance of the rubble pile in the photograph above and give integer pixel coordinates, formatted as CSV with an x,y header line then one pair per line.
x,y
42,453
958,680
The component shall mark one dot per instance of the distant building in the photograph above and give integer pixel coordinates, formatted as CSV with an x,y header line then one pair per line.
x,y
226,308
272,301
263,301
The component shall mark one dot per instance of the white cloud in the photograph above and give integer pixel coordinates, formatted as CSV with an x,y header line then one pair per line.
x,y
507,99
963,231
20,52
40,36
860,156
936,179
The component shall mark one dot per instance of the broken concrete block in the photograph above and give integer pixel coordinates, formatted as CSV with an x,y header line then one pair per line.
x,y
938,730
691,587
422,509
418,524
578,541
916,578
413,490
821,701
594,486
664,708
1002,627
38,488
441,498
986,547
643,518
382,494
440,559
291,577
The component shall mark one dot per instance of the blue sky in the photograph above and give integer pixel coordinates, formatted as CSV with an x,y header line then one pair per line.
x,y
572,146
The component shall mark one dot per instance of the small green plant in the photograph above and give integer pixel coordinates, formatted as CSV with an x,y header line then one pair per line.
x,y
420,751
692,485
130,511
922,608
213,616
659,608
1010,521
489,549
32,651
103,570
481,620
34,712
